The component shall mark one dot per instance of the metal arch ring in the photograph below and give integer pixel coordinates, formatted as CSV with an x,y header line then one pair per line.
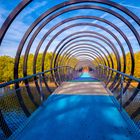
x,y
91,17
82,40
68,53
88,51
108,10
26,61
80,55
94,47
96,52
87,46
68,41
77,65
83,49
89,58
94,43
63,23
99,45
118,58
12,16
80,24
119,7
24,3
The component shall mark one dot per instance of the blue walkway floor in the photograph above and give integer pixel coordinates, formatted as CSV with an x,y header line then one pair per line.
x,y
85,77
77,117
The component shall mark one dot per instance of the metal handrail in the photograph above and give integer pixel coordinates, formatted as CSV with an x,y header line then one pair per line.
x,y
123,74
122,79
28,77
41,95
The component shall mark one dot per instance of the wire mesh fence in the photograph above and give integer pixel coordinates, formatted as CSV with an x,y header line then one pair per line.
x,y
125,88
21,97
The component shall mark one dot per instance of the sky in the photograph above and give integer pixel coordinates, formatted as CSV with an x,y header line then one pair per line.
x,y
37,7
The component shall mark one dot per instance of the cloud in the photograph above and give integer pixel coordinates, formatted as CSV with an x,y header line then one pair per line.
x,y
130,6
12,38
3,13
17,29
36,6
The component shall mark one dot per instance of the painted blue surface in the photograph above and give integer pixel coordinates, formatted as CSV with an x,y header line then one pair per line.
x,y
85,77
77,117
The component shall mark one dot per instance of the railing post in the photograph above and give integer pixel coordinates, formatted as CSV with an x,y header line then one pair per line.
x,y
59,77
65,73
41,89
100,72
121,92
69,74
105,69
107,72
4,126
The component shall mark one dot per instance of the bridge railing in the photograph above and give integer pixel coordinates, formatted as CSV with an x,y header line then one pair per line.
x,y
21,97
126,89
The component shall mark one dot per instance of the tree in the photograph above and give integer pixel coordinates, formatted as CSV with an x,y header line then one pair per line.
x,y
6,68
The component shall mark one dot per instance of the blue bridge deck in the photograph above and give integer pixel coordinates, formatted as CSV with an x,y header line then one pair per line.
x,y
72,113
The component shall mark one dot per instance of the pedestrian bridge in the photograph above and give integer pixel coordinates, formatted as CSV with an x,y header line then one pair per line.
x,y
80,109
75,74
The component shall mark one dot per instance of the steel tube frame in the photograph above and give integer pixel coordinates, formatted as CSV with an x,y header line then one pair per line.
x,y
81,46
63,59
91,41
76,38
24,3
107,11
12,16
70,50
89,50
91,53
86,55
